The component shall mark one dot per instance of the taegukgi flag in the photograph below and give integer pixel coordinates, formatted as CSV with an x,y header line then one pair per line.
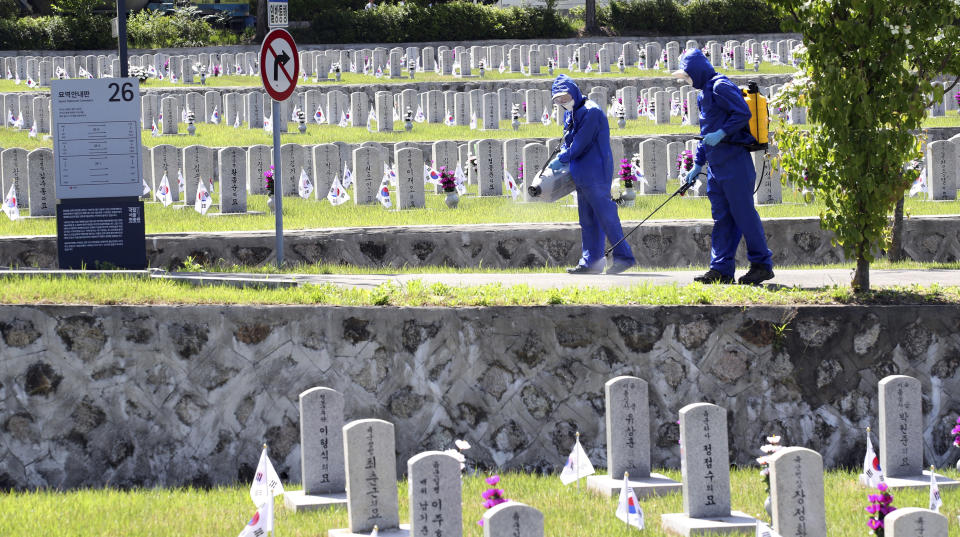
x,y
266,484
936,502
578,465
203,202
304,186
337,194
628,508
871,465
10,203
163,194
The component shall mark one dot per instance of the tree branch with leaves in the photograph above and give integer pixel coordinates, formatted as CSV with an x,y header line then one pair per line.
x,y
867,73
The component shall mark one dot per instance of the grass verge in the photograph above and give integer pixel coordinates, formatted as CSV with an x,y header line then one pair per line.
x,y
225,510
114,290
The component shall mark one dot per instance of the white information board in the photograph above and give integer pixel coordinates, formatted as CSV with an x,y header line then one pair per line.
x,y
96,137
278,15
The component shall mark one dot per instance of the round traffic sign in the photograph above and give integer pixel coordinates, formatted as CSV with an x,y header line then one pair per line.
x,y
279,64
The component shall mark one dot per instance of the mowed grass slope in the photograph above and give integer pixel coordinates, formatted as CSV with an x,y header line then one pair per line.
x,y
225,510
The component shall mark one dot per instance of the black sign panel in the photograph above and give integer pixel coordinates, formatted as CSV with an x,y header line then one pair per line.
x,y
101,234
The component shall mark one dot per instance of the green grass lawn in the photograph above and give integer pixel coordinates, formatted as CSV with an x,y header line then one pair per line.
x,y
225,510
239,81
313,214
226,135
124,289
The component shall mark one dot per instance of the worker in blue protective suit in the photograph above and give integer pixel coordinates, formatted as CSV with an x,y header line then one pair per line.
x,y
730,178
586,150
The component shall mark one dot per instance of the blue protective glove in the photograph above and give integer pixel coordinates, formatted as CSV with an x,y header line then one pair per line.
x,y
714,137
555,165
692,176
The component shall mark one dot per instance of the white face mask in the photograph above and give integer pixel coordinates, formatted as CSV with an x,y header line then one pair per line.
x,y
568,105
685,78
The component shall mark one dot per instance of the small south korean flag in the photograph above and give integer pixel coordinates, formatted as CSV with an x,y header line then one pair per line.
x,y
203,201
10,204
304,186
628,508
936,502
578,464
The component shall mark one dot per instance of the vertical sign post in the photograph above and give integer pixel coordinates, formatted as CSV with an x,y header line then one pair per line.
x,y
279,69
99,173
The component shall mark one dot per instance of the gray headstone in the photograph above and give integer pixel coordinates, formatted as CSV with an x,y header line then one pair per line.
x,y
428,58
371,471
513,155
491,112
629,96
259,160
628,426
359,109
383,102
512,519
233,181
13,165
490,167
914,522
534,106
435,495
41,113
941,163
149,110
326,165
321,440
254,110
505,96
661,103
444,155
195,103
653,165
705,461
42,185
768,174
171,115
232,108
367,173
901,425
198,163
435,105
167,160
410,189
336,101
292,160
461,112
796,493
212,100
534,157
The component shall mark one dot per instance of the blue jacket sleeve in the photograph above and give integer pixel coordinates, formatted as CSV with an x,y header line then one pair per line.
x,y
728,97
584,136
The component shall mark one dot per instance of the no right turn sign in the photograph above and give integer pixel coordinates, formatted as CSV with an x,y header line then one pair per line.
x,y
279,64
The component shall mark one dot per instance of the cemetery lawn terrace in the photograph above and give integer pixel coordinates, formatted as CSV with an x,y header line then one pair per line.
x,y
133,290
224,135
241,81
316,214
165,512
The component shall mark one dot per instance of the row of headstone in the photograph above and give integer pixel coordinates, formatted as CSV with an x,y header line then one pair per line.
x,y
32,175
229,167
31,108
364,470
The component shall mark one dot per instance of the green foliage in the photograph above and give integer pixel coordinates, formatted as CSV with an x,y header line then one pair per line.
x,y
866,80
185,27
81,9
9,9
56,33
672,17
454,21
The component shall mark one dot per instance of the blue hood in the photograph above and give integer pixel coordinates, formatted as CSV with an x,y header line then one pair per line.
x,y
565,84
697,66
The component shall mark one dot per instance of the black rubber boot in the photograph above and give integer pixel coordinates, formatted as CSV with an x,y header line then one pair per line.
x,y
756,275
712,276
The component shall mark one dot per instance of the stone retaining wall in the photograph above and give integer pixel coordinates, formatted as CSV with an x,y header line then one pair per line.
x,y
657,244
126,396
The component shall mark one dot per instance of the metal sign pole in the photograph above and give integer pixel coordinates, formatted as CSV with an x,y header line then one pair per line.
x,y
277,180
122,36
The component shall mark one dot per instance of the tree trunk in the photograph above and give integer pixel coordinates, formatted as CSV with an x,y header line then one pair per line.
x,y
261,20
861,278
590,18
896,236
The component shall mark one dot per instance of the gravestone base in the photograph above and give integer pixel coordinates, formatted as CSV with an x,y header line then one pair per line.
x,y
681,524
402,531
655,485
916,482
297,501
248,213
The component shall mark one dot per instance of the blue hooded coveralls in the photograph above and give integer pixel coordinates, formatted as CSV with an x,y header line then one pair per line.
x,y
586,148
731,175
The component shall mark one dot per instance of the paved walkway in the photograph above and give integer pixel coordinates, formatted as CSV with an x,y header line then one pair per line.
x,y
807,279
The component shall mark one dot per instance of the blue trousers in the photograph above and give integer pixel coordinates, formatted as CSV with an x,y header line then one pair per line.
x,y
730,184
598,221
